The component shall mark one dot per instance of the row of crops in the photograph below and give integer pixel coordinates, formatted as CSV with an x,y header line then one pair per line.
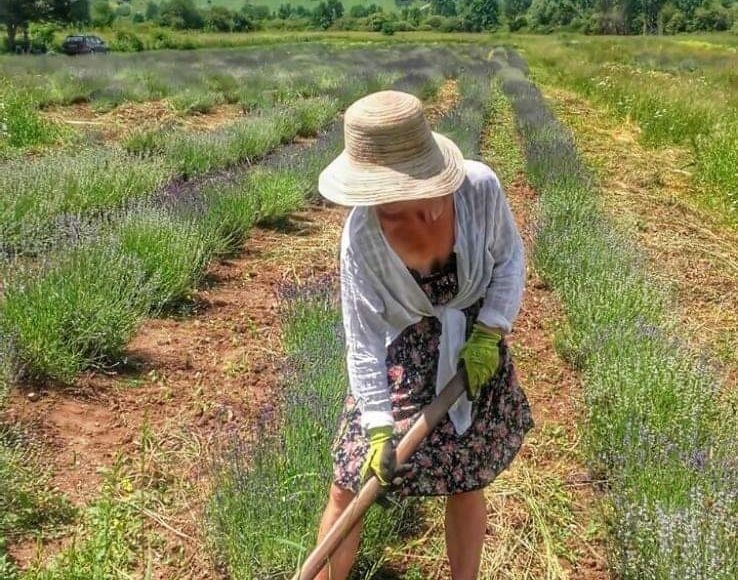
x,y
123,226
657,429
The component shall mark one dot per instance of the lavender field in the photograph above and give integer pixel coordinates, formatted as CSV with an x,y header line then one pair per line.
x,y
171,357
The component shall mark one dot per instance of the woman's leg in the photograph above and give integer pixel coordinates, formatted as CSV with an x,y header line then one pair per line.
x,y
466,523
339,566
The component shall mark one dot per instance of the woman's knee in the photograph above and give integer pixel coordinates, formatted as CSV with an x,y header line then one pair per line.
x,y
340,497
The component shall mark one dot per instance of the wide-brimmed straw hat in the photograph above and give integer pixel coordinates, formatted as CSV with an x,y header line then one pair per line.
x,y
391,154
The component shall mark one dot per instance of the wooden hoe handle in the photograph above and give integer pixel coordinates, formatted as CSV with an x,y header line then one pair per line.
x,y
430,416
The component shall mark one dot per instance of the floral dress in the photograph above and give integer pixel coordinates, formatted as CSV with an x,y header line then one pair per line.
x,y
445,463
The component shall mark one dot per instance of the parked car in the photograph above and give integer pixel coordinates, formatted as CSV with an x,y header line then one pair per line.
x,y
83,44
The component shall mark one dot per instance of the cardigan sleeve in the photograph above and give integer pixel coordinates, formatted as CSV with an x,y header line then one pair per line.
x,y
505,291
366,331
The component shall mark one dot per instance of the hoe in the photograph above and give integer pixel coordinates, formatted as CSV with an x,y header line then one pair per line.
x,y
430,416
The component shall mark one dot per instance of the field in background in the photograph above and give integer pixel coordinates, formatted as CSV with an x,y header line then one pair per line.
x,y
164,271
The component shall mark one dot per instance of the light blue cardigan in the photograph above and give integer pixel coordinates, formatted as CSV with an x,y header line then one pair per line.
x,y
380,297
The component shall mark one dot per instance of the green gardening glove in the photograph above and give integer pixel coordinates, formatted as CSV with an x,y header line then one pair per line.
x,y
481,357
381,459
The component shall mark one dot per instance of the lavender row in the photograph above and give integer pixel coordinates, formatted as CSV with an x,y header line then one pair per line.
x,y
656,430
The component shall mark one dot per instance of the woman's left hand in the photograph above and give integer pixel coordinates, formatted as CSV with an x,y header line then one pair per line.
x,y
481,356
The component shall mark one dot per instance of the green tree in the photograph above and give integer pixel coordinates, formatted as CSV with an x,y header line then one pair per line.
x,y
219,18
688,6
102,13
182,14
285,11
152,10
443,7
711,16
515,8
547,14
79,12
484,14
256,11
17,15
326,13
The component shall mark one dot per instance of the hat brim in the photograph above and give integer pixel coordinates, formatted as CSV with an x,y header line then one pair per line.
x,y
439,173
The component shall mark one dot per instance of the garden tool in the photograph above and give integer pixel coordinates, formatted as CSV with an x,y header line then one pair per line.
x,y
430,416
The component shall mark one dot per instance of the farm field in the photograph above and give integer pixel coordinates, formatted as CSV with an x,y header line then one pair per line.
x,y
171,358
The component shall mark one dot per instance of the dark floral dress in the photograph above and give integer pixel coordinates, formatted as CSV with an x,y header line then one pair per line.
x,y
445,463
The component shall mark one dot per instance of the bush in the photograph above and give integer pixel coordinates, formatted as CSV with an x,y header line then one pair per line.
x,y
219,19
518,23
42,37
77,314
452,24
102,14
402,26
181,14
172,252
434,22
126,41
676,23
123,10
163,39
547,13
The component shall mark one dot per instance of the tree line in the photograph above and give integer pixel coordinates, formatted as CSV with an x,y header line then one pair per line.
x,y
587,16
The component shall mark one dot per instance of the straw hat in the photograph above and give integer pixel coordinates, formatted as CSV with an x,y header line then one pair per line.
x,y
391,155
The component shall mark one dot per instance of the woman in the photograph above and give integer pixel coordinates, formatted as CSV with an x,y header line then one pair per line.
x,y
432,275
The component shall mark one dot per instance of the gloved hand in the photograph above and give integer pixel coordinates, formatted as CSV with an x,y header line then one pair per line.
x,y
481,357
381,459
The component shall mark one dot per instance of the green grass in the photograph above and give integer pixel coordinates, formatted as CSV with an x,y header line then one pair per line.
x,y
28,505
21,126
113,537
